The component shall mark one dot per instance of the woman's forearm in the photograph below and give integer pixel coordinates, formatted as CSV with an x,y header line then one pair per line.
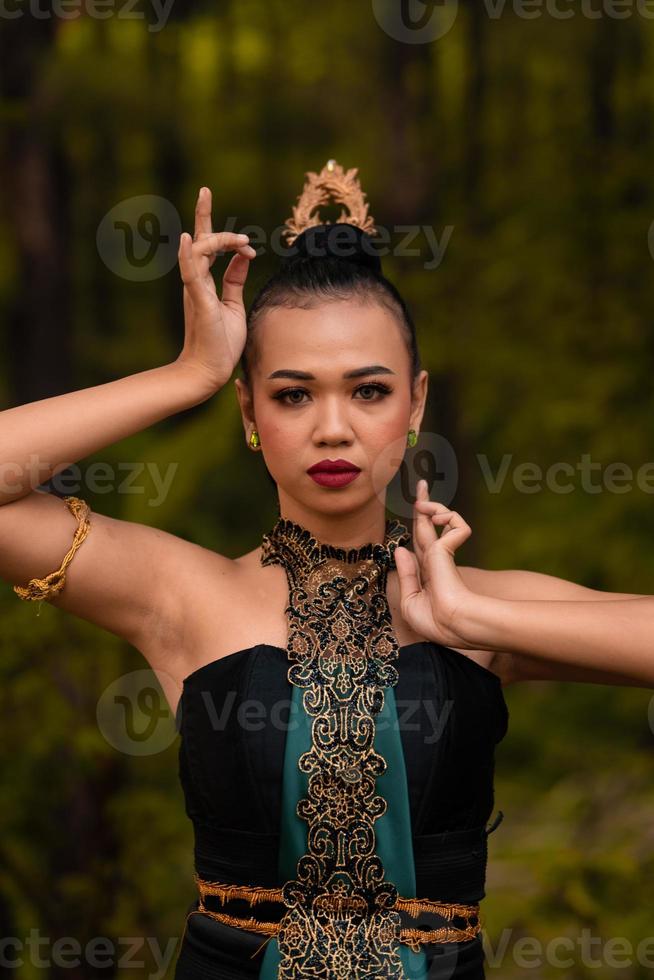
x,y
612,635
41,438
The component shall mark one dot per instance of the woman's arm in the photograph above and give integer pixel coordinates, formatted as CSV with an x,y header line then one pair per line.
x,y
41,438
523,584
606,636
126,577
612,635
110,579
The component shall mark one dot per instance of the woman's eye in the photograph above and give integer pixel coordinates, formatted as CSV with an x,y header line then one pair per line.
x,y
380,389
283,395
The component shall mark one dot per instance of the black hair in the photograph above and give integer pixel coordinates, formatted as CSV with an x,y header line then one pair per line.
x,y
332,261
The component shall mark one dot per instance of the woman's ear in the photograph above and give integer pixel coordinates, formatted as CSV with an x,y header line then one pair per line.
x,y
246,405
419,399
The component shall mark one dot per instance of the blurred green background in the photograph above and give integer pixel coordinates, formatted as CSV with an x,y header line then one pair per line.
x,y
531,140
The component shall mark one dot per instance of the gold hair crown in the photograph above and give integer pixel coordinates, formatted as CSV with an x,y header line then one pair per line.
x,y
332,183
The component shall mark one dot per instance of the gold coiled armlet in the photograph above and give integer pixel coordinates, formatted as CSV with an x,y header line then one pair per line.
x,y
38,589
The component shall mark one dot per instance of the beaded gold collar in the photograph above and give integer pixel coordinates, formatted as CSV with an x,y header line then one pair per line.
x,y
341,648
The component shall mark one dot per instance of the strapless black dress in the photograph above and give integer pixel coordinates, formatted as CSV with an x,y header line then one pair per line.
x,y
233,717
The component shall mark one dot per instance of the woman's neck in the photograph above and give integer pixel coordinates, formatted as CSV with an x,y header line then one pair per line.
x,y
343,530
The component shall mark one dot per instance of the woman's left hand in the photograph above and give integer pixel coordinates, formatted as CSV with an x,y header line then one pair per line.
x,y
433,596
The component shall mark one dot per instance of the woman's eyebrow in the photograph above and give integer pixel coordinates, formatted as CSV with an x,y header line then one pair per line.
x,y
356,373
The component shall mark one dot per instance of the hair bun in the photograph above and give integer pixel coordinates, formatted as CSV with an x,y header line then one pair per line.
x,y
336,241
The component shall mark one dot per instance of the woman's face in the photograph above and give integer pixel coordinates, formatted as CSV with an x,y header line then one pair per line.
x,y
306,409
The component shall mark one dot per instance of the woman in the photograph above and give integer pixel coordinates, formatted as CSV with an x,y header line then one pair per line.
x,y
342,831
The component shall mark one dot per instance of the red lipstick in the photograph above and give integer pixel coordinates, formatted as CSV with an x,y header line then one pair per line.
x,y
333,472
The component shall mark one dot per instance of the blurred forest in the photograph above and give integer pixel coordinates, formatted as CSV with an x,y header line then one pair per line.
x,y
533,141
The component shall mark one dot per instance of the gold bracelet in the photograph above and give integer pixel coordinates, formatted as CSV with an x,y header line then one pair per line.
x,y
41,588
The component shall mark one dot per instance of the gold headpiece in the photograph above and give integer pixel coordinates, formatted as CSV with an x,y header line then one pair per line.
x,y
331,183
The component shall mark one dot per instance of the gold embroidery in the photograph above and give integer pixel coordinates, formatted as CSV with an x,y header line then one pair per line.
x,y
411,937
340,910
250,893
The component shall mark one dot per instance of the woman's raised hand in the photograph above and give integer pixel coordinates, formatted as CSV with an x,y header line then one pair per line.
x,y
214,327
433,596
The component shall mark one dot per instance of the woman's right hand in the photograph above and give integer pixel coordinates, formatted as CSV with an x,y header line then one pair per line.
x,y
214,328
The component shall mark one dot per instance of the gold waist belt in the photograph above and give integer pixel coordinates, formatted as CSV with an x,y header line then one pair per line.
x,y
414,906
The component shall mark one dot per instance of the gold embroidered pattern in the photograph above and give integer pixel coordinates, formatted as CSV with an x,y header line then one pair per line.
x,y
412,937
340,911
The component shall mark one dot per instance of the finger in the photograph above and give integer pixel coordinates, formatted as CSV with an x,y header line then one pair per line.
x,y
433,505
234,279
433,510
203,214
455,531
219,241
436,514
407,573
422,493
424,530
188,269
423,534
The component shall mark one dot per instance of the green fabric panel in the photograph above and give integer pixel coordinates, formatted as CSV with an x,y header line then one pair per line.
x,y
293,831
393,829
394,843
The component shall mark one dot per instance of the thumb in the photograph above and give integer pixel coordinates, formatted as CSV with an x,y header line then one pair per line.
x,y
407,573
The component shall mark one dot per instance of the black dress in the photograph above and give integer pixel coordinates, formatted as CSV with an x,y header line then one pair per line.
x,y
233,718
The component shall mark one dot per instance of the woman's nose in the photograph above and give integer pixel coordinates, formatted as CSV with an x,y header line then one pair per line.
x,y
333,422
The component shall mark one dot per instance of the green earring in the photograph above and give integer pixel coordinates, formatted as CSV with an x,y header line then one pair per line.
x,y
255,441
412,438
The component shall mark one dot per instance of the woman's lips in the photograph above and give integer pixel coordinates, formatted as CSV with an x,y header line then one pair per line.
x,y
337,478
